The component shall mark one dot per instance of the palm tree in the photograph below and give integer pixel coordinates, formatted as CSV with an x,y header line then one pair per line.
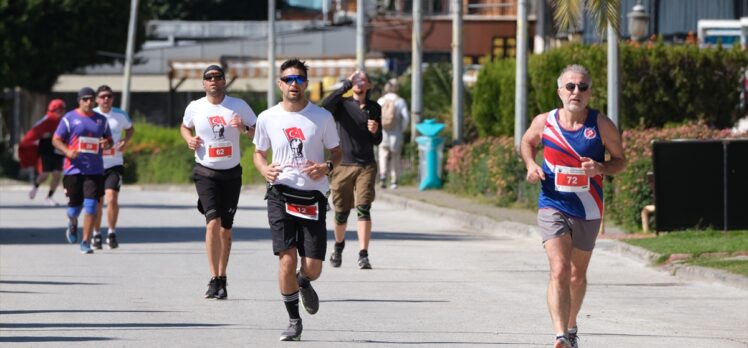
x,y
568,12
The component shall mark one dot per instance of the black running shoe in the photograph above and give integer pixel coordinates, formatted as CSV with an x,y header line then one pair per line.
x,y
213,286
574,340
336,258
111,241
293,332
96,242
309,299
363,262
222,292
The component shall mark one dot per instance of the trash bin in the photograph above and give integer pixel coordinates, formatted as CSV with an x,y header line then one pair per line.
x,y
430,153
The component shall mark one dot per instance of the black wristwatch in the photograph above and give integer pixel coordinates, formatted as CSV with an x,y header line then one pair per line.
x,y
329,167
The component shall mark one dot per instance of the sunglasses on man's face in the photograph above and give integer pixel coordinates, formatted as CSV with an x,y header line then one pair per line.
x,y
106,96
289,79
213,77
582,86
87,99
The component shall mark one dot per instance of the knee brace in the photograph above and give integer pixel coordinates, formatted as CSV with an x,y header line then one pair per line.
x,y
364,213
341,218
89,205
74,212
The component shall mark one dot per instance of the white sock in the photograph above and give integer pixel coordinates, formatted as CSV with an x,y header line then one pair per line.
x,y
96,233
111,231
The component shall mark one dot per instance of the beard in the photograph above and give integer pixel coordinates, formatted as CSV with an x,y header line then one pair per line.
x,y
294,97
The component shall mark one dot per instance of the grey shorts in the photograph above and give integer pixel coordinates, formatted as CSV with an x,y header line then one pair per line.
x,y
554,224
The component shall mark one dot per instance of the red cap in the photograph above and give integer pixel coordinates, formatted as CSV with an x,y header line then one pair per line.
x,y
55,104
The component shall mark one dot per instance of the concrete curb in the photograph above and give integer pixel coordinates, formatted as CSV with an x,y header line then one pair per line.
x,y
489,226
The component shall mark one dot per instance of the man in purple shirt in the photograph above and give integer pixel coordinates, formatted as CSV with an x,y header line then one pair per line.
x,y
81,136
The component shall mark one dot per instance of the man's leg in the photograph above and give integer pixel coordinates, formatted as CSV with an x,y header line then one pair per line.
x,y
364,234
56,175
226,234
395,166
384,156
112,209
289,288
213,245
580,259
558,251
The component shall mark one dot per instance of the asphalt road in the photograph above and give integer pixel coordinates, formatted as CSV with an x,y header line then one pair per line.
x,y
435,282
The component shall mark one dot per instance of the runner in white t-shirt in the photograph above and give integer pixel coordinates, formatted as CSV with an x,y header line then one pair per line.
x,y
298,132
212,127
119,122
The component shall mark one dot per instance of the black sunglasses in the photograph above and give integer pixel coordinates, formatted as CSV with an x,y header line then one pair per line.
x,y
213,77
582,86
87,98
106,96
288,79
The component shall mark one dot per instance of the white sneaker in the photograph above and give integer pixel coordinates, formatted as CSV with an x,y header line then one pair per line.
x,y
51,202
32,193
393,186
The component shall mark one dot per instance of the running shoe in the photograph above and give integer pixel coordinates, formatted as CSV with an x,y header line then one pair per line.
x,y
562,342
363,262
51,202
293,332
382,182
212,288
336,258
222,292
574,340
393,186
309,299
96,242
111,241
85,248
32,193
72,233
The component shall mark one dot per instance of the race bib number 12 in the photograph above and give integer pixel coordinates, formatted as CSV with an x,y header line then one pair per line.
x,y
571,179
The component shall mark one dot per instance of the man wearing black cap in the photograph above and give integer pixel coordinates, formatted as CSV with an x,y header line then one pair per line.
x,y
212,127
81,136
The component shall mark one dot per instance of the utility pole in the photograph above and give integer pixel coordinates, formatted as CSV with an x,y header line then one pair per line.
x,y
520,85
457,70
416,89
360,50
271,53
325,11
613,83
125,103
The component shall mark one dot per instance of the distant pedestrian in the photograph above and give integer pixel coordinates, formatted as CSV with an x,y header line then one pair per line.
x,y
353,182
297,132
574,139
49,158
114,169
395,121
82,135
212,127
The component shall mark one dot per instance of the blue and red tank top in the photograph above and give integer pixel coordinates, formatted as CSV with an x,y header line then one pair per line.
x,y
563,148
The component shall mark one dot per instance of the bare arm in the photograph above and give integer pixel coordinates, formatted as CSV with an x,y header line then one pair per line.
x,y
613,143
59,145
192,142
269,171
318,170
528,148
124,141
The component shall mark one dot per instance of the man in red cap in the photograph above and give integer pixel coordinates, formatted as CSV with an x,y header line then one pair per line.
x,y
36,150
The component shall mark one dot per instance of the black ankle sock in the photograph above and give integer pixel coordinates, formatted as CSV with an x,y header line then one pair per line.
x,y
292,305
303,281
51,193
339,246
363,253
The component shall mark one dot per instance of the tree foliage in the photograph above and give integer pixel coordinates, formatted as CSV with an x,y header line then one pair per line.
x,y
43,39
203,10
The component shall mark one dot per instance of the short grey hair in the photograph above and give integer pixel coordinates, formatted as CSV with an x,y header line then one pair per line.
x,y
391,86
575,68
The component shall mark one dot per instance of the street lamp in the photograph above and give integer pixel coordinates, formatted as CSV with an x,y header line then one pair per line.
x,y
638,22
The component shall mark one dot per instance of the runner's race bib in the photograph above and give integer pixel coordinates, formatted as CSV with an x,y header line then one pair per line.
x,y
309,212
88,145
219,151
109,152
571,179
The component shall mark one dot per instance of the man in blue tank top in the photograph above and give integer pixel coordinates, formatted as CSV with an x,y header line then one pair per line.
x,y
574,139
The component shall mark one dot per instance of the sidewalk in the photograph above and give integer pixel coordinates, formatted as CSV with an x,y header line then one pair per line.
x,y
486,218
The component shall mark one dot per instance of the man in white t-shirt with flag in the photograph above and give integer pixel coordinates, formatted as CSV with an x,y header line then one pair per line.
x,y
298,132
212,127
119,122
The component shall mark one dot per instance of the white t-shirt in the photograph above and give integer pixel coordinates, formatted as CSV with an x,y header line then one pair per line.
x,y
118,121
212,123
297,138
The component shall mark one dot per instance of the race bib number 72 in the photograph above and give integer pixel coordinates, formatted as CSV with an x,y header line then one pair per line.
x,y
571,179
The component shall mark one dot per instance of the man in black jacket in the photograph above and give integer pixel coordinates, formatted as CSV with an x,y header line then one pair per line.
x,y
358,120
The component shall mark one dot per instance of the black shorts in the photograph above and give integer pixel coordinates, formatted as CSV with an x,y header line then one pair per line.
x,y
113,178
79,186
309,237
218,193
51,162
